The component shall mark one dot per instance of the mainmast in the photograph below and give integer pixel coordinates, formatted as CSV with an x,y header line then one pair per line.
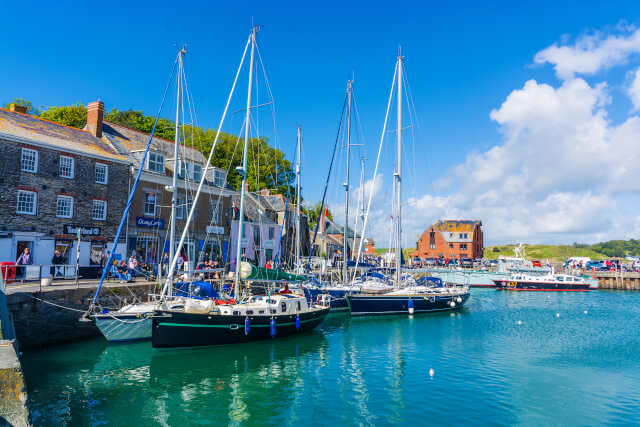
x,y
346,187
243,170
361,215
176,166
398,176
298,201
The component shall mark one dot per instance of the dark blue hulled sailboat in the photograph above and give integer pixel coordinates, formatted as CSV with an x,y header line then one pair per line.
x,y
408,296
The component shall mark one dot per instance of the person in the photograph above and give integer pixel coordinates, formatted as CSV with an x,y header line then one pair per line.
x,y
133,264
103,260
123,273
180,262
164,263
113,269
206,258
24,259
56,260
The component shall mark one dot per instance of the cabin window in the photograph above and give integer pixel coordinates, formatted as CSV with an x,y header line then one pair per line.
x,y
236,313
273,311
298,306
261,312
283,306
249,311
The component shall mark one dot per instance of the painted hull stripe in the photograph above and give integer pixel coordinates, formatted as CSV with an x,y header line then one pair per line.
x,y
548,290
194,325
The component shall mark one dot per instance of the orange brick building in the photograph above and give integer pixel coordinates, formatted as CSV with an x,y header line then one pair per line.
x,y
451,239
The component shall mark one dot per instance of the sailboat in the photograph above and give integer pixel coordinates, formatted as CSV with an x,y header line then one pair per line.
x,y
133,321
246,318
408,295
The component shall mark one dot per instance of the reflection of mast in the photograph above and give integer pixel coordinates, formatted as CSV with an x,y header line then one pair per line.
x,y
243,170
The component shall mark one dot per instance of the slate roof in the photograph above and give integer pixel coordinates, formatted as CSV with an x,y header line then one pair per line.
x,y
467,225
126,140
61,137
254,211
333,228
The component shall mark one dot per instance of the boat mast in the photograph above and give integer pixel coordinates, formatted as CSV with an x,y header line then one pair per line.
x,y
243,170
176,165
298,202
398,177
346,187
361,215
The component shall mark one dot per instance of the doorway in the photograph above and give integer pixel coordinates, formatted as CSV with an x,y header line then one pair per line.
x,y
21,245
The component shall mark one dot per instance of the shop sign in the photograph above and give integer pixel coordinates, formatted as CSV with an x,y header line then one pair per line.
x,y
214,229
85,231
268,244
149,222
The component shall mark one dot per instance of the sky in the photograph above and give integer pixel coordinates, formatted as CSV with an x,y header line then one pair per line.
x,y
526,117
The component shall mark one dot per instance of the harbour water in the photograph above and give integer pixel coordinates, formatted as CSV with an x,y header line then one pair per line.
x,y
527,358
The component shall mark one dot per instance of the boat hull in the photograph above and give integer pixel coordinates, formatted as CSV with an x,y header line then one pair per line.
x,y
337,300
124,327
370,305
522,285
172,329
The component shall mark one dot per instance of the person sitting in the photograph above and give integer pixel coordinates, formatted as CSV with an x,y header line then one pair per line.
x,y
123,273
113,270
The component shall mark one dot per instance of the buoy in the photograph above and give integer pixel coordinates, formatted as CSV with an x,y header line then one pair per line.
x,y
410,306
247,325
459,300
297,322
519,322
431,372
557,314
585,312
272,327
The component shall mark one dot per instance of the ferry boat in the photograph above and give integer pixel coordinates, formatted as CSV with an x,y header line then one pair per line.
x,y
551,282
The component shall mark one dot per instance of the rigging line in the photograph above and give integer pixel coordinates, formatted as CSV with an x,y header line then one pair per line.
x,y
424,153
360,132
333,156
174,261
133,190
413,139
271,98
284,217
375,171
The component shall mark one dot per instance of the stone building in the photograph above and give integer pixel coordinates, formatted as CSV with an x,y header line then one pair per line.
x,y
149,219
451,239
54,181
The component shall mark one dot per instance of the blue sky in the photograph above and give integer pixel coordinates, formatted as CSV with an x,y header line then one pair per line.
x,y
463,60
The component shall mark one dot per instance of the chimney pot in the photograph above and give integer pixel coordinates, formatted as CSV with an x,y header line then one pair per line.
x,y
18,108
95,114
265,192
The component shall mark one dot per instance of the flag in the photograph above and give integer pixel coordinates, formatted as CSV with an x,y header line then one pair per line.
x,y
326,211
235,208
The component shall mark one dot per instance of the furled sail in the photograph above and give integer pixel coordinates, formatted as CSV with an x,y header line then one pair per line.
x,y
252,272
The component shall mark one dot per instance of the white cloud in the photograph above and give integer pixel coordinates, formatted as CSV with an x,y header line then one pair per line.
x,y
634,90
591,53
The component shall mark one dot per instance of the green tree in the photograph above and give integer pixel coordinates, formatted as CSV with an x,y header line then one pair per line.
x,y
69,115
25,103
312,212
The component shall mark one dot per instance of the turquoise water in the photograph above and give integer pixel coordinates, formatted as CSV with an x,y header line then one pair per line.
x,y
558,366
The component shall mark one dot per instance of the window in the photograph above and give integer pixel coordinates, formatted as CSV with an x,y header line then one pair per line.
x,y
463,246
149,207
66,167
29,161
272,233
99,210
189,206
102,173
180,208
197,172
184,169
64,207
451,245
214,209
432,246
156,162
219,177
27,202
256,235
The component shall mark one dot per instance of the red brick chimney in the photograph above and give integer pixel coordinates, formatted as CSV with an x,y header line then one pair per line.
x,y
95,114
18,108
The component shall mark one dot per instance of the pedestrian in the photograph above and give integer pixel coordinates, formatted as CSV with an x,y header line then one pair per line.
x,y
56,260
164,263
180,263
24,259
133,264
103,260
123,274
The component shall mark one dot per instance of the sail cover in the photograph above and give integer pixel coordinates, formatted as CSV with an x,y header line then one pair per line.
x,y
251,272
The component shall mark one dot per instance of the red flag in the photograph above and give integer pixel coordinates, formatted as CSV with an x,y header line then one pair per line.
x,y
326,211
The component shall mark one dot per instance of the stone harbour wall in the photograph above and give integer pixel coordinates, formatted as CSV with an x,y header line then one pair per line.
x,y
40,323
